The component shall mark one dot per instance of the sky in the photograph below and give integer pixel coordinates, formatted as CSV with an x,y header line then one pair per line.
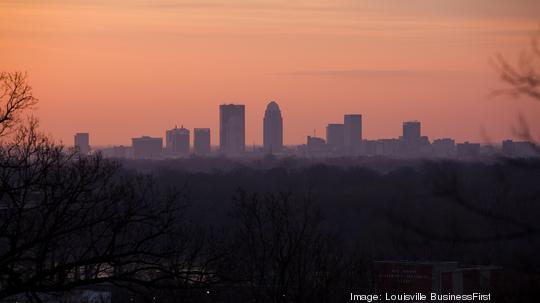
x,y
124,68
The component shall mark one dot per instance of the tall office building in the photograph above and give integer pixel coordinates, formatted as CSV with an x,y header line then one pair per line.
x,y
147,147
177,140
201,140
272,128
335,135
411,132
82,143
352,130
232,129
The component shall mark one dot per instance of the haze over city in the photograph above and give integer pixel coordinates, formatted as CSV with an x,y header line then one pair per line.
x,y
121,69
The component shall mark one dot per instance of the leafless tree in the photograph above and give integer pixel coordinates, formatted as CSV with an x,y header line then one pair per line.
x,y
522,78
69,221
495,215
15,96
282,251
455,213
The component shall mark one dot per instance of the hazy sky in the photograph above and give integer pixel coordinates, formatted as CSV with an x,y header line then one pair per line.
x,y
124,68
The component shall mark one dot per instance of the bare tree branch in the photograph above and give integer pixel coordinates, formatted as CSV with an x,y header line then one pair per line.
x,y
15,97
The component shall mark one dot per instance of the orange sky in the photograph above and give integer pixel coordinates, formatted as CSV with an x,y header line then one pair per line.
x,y
123,68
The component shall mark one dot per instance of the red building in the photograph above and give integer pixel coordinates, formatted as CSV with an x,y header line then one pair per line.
x,y
427,277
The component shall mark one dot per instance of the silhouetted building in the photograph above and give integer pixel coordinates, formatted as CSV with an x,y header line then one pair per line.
x,y
315,143
352,130
487,151
82,143
118,151
520,149
177,140
369,147
444,147
468,150
232,131
334,135
411,138
387,147
201,140
147,147
272,128
508,147
411,132
424,140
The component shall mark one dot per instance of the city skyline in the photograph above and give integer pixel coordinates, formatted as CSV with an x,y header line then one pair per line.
x,y
269,151
341,139
118,69
350,132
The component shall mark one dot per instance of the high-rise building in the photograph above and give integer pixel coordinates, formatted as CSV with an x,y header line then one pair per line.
x,y
335,135
177,140
201,140
147,147
411,132
272,128
82,143
411,140
232,130
352,130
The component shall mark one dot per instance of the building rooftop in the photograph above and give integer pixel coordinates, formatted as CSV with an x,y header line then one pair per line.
x,y
272,106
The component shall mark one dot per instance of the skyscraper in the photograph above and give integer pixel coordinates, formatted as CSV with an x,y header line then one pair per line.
x,y
334,135
82,143
177,140
411,138
352,130
272,128
232,130
201,140
411,132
